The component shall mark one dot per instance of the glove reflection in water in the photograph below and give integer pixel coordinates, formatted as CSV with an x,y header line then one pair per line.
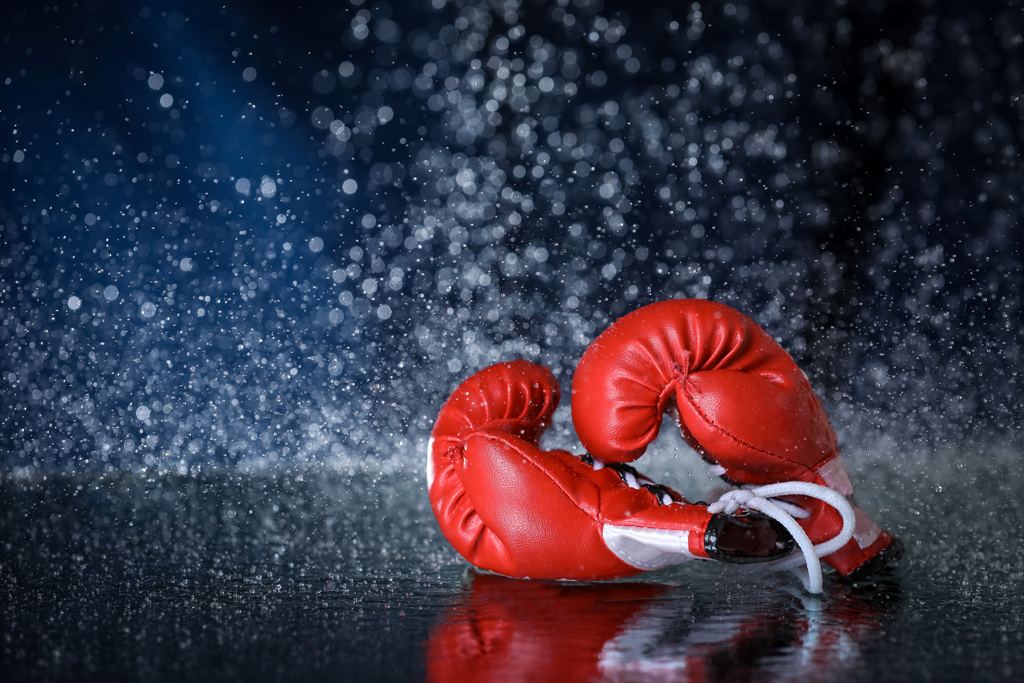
x,y
512,630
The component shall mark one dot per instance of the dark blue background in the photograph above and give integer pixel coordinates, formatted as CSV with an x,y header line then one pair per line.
x,y
887,261
214,405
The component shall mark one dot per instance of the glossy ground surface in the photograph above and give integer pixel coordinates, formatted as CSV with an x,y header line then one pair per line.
x,y
335,575
253,245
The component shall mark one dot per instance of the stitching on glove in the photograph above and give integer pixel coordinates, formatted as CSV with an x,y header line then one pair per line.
x,y
630,560
470,521
526,456
738,440
454,452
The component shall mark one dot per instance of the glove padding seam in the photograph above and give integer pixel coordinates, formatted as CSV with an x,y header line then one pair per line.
x,y
478,389
506,439
809,468
447,509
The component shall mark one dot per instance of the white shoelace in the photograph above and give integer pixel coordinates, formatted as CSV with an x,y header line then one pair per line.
x,y
759,499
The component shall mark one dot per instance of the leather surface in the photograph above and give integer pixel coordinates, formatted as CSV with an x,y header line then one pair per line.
x,y
740,396
509,507
740,399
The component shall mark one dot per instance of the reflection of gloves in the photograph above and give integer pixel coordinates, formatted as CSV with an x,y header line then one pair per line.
x,y
501,629
505,630
753,636
509,507
743,404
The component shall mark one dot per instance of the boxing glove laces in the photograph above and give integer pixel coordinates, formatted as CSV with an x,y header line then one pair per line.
x,y
509,507
743,404
512,508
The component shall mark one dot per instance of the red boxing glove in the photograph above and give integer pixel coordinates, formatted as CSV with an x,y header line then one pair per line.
x,y
509,507
743,404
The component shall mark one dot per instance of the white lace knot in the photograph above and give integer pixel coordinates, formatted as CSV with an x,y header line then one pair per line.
x,y
760,499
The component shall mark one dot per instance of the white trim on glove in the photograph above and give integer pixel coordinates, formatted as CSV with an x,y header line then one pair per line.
x,y
646,548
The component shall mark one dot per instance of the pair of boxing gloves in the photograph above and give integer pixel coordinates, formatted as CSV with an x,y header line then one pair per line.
x,y
741,402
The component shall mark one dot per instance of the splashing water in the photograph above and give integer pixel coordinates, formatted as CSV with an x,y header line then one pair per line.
x,y
247,251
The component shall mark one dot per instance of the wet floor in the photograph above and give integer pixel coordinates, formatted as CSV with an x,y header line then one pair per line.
x,y
242,240
327,574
